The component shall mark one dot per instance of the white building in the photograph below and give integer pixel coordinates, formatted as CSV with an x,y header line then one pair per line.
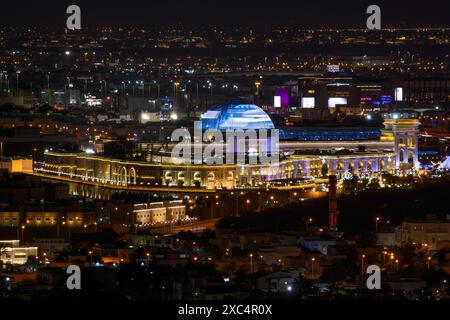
x,y
277,282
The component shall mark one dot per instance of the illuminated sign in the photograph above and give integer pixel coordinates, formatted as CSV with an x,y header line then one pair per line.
x,y
92,101
277,101
333,68
398,94
308,102
386,99
332,102
283,93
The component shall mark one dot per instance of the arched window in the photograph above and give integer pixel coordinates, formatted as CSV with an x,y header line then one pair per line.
x,y
132,176
411,156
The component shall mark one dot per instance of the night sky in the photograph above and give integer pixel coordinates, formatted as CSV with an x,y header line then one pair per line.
x,y
314,13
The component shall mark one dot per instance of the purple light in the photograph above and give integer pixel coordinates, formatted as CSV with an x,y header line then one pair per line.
x,y
284,96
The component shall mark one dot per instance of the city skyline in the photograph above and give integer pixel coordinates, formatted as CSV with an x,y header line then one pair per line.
x,y
241,155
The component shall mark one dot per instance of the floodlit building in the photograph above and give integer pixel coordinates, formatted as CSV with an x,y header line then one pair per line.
x,y
148,214
17,165
12,253
301,156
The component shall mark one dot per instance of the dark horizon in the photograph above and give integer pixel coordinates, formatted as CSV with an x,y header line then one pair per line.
x,y
320,13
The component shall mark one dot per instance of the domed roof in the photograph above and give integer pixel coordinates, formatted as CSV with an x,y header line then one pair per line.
x,y
236,116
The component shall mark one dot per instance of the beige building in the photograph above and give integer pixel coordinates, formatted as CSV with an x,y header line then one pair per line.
x,y
148,214
46,219
228,176
425,232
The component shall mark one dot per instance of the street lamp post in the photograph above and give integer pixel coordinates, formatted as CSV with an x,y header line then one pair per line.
x,y
175,89
312,266
377,219
391,258
17,82
23,231
257,84
362,263
251,263
309,220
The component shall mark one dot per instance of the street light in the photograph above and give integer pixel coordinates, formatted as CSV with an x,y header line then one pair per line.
x,y
391,258
175,88
312,266
362,263
377,219
23,230
90,254
309,220
251,263
257,84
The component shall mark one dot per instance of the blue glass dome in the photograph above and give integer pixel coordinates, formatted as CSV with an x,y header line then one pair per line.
x,y
235,116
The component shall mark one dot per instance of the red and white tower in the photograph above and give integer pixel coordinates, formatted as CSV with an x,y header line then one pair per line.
x,y
332,202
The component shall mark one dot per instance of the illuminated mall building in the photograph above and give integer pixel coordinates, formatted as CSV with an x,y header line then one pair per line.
x,y
312,154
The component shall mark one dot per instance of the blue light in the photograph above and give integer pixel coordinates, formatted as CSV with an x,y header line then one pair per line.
x,y
236,117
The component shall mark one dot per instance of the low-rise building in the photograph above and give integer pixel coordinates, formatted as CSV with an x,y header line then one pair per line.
x,y
277,282
148,214
12,253
425,232
17,165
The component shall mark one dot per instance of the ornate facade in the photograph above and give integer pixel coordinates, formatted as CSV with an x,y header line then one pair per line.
x,y
396,149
